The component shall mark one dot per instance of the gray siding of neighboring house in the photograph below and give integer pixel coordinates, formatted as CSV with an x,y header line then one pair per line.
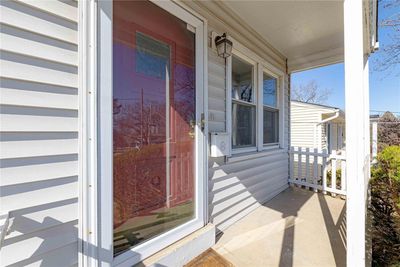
x,y
39,132
304,131
304,119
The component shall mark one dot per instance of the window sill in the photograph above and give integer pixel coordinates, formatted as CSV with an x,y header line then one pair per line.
x,y
270,146
242,150
256,154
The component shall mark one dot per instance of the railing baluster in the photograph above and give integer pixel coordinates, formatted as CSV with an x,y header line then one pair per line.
x,y
324,170
343,170
291,171
299,160
315,170
307,167
309,173
333,172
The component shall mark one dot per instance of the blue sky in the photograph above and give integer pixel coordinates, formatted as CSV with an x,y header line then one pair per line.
x,y
384,86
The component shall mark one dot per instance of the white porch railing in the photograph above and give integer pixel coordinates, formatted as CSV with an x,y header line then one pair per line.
x,y
318,170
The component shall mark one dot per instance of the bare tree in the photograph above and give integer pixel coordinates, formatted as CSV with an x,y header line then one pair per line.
x,y
389,53
388,131
310,93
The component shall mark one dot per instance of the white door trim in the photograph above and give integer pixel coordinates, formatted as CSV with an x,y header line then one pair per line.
x,y
96,220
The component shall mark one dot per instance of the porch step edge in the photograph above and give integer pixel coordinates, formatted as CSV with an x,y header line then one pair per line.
x,y
184,250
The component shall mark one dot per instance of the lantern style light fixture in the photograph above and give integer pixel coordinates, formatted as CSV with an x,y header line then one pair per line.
x,y
224,46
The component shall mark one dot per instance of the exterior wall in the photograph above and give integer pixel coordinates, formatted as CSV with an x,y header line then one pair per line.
x,y
236,188
304,130
39,132
216,93
238,185
323,137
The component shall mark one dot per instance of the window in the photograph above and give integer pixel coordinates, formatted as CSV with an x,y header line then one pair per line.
x,y
255,106
243,104
270,110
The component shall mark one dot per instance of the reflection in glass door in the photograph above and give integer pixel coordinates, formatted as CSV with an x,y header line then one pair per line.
x,y
153,122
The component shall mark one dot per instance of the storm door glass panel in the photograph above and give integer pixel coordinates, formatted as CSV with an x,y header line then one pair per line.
x,y
153,114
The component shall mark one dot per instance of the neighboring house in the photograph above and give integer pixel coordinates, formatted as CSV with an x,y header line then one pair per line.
x,y
107,108
316,126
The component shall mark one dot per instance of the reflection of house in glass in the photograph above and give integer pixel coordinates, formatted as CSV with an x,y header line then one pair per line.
x,y
154,101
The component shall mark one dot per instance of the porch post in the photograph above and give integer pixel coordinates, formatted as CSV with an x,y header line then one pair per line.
x,y
357,130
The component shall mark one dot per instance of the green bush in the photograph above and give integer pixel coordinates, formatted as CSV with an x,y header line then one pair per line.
x,y
338,178
385,208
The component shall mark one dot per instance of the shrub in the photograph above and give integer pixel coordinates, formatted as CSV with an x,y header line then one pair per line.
x,y
385,208
388,131
338,178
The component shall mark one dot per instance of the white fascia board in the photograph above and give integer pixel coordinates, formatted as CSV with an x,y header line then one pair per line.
x,y
316,60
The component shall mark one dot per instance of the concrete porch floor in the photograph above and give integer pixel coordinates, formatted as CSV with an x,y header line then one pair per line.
x,y
296,228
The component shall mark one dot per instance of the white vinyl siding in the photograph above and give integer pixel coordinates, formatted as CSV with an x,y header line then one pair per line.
x,y
39,131
304,129
216,92
237,188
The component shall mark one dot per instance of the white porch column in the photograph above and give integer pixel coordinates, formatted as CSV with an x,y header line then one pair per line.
x,y
357,130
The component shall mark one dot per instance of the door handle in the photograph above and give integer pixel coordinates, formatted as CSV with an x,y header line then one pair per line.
x,y
201,124
192,125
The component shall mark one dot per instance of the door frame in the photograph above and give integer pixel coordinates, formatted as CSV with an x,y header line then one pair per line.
x,y
96,195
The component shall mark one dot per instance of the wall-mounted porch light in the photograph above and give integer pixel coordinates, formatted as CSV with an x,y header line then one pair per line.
x,y
224,46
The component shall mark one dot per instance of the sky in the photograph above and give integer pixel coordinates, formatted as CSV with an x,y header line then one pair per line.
x,y
384,86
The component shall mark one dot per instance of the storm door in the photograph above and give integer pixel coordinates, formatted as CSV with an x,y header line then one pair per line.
x,y
157,136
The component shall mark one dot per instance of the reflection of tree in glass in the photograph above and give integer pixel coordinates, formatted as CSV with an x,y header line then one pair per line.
x,y
135,126
184,96
269,91
116,106
269,87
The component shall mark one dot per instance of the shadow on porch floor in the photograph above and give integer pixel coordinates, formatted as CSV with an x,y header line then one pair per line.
x,y
296,228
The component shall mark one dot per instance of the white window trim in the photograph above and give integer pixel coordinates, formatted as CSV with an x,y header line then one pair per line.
x,y
260,66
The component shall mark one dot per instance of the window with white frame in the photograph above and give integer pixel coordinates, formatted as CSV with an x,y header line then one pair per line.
x,y
243,104
270,109
255,101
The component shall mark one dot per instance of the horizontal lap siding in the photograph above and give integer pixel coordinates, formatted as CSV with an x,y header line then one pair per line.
x,y
39,131
237,188
216,92
303,122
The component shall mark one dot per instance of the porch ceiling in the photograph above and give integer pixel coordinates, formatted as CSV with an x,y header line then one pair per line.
x,y
308,33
